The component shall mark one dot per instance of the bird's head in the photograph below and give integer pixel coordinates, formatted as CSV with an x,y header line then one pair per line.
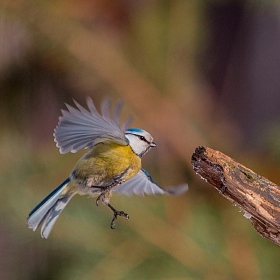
x,y
139,140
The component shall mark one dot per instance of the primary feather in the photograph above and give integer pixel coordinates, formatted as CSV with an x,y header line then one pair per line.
x,y
80,129
142,183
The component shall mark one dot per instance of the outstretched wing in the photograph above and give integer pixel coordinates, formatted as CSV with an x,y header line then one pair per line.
x,y
142,183
80,129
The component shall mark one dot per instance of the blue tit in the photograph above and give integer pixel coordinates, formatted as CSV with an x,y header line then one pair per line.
x,y
113,163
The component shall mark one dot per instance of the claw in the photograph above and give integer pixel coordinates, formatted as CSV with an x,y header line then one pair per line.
x,y
116,214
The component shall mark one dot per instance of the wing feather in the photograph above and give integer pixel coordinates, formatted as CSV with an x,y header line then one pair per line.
x,y
142,183
117,112
79,128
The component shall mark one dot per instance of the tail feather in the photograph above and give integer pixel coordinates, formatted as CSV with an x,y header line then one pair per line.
x,y
53,214
47,211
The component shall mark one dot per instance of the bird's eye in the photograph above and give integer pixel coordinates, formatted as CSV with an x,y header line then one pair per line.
x,y
142,138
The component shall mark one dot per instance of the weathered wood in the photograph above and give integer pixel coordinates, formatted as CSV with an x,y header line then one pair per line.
x,y
255,195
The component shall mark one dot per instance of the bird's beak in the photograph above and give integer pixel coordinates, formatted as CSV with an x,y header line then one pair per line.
x,y
153,144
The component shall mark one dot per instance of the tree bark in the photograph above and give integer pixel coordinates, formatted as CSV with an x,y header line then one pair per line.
x,y
255,195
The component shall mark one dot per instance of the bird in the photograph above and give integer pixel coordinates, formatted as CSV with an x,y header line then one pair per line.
x,y
112,164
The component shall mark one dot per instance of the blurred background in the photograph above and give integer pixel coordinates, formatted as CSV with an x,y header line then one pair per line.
x,y
192,73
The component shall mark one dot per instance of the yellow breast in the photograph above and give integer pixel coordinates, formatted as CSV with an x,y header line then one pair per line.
x,y
106,161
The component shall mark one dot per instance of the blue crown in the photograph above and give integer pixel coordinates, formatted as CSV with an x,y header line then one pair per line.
x,y
134,130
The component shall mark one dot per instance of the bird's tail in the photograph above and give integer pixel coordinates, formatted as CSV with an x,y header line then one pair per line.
x,y
47,211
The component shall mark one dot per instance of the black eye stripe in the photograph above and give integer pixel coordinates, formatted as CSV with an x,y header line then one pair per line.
x,y
141,137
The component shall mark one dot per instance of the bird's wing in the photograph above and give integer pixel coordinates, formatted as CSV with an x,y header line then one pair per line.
x,y
142,183
79,128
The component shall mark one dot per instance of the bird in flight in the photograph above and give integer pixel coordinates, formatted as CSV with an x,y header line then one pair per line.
x,y
112,164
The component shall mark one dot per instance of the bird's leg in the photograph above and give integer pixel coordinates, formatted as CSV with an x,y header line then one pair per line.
x,y
107,190
105,198
98,198
105,195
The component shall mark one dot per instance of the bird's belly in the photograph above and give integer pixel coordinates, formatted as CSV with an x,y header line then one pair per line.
x,y
103,169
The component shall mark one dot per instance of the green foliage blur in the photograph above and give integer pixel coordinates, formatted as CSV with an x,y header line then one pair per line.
x,y
151,54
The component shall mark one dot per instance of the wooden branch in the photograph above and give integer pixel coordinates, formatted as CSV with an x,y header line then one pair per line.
x,y
255,195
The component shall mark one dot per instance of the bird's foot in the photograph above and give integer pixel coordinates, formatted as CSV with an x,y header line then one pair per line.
x,y
116,214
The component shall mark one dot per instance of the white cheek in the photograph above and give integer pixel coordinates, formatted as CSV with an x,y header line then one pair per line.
x,y
137,146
